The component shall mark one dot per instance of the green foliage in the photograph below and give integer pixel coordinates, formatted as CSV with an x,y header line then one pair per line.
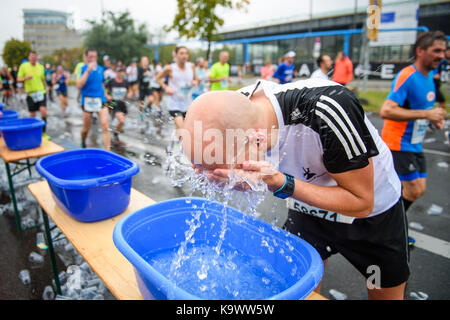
x,y
198,18
117,36
15,51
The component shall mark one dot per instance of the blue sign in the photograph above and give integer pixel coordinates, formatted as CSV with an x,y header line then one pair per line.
x,y
388,17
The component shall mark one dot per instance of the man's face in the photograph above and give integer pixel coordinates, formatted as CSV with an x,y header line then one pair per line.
x,y
289,60
224,56
432,56
327,62
144,62
32,57
182,55
92,56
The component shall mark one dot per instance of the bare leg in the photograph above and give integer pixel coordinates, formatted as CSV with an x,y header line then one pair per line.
x,y
394,293
87,117
104,123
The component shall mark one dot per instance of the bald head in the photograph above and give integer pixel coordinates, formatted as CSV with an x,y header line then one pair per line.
x,y
211,119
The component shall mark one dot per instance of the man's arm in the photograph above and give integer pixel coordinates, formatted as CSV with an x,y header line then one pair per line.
x,y
392,111
159,78
212,75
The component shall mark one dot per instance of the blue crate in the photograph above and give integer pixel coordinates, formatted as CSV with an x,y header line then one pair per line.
x,y
21,134
162,226
89,184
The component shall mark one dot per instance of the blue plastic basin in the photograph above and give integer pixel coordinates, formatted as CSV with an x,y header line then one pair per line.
x,y
89,184
9,115
161,227
24,133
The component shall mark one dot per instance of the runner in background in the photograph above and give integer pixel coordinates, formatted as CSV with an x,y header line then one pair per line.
x,y
145,90
324,65
132,79
267,71
7,82
93,98
155,86
343,69
219,74
285,71
60,81
48,78
182,79
407,111
441,75
32,75
201,71
116,92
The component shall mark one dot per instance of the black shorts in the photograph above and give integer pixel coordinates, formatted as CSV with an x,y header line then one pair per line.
x,y
118,106
49,83
380,241
409,165
176,113
34,106
159,89
132,83
144,92
63,93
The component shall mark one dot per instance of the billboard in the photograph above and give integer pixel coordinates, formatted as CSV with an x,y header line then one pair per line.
x,y
403,15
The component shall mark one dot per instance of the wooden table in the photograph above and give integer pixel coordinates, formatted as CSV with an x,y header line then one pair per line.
x,y
15,157
94,242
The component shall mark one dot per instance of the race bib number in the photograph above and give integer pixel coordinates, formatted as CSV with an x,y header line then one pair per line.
x,y
146,79
318,213
37,96
92,104
185,90
224,84
119,93
419,130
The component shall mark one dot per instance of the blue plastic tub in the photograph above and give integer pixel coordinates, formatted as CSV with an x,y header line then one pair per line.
x,y
160,228
9,115
21,134
89,184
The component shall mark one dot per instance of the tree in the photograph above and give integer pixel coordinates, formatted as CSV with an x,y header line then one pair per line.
x,y
15,51
117,36
198,18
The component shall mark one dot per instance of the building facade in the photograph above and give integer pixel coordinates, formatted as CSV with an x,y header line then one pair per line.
x,y
49,30
386,56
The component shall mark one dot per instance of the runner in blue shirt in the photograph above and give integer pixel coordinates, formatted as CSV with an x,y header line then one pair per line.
x,y
93,98
285,71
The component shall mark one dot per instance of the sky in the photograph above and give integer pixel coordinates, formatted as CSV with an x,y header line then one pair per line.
x,y
157,13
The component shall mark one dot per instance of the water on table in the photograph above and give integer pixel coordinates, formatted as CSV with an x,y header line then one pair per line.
x,y
232,275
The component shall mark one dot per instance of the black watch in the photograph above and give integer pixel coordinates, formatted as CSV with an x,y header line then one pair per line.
x,y
287,189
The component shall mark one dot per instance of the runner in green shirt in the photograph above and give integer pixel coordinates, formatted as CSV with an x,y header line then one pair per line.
x,y
219,74
32,75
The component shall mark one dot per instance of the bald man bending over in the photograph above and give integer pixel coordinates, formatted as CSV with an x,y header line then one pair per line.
x,y
328,161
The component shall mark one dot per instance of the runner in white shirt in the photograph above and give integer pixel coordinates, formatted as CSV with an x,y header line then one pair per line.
x,y
324,64
181,81
344,194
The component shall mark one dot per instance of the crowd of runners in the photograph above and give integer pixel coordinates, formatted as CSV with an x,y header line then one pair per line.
x,y
105,90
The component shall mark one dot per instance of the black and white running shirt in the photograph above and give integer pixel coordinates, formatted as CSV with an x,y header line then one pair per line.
x,y
323,129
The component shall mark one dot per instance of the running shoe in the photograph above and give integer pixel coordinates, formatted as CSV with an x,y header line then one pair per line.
x,y
46,136
83,145
411,241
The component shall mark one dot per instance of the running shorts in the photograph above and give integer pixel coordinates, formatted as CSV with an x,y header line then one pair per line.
x,y
144,92
409,165
34,106
380,241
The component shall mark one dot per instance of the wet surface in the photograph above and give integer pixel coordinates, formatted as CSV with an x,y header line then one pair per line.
x,y
145,140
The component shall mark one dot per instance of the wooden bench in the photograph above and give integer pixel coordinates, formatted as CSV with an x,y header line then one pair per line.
x,y
94,242
17,157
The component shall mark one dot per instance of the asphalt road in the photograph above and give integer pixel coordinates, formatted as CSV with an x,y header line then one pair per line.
x,y
430,259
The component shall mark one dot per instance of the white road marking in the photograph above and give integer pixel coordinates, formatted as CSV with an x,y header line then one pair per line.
x,y
437,152
431,244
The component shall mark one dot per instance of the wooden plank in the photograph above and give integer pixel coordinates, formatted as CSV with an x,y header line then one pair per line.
x,y
47,147
94,242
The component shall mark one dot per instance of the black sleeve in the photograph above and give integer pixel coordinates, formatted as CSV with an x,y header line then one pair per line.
x,y
346,141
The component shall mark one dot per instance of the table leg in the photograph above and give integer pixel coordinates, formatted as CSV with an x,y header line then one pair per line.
x,y
13,196
29,167
51,252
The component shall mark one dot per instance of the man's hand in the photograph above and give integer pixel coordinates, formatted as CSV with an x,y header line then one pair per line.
x,y
439,124
169,91
436,115
91,66
250,173
29,77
